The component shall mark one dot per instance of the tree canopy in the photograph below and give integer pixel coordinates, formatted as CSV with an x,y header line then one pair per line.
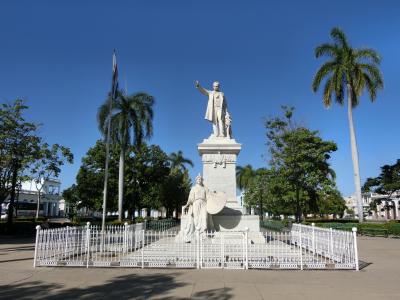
x,y
300,172
357,68
151,181
23,154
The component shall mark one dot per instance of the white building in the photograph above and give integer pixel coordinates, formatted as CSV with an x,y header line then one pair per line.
x,y
50,198
386,210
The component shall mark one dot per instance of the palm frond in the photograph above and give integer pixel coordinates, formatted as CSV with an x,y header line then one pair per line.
x,y
374,73
329,87
357,68
361,54
339,84
131,118
326,49
370,86
103,114
354,98
339,37
324,71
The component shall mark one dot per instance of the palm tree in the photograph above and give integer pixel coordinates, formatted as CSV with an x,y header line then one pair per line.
x,y
178,161
244,175
352,71
131,123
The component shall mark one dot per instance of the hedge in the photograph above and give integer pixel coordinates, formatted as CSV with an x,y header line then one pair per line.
x,y
28,228
338,226
388,228
272,225
318,221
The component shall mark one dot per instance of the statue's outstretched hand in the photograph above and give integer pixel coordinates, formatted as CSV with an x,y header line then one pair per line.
x,y
197,83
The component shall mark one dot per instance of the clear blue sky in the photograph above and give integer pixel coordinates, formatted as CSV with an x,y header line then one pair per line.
x,y
57,55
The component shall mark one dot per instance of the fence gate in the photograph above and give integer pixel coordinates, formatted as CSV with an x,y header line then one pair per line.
x,y
223,250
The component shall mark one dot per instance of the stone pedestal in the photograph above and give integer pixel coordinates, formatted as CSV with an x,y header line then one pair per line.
x,y
219,157
219,166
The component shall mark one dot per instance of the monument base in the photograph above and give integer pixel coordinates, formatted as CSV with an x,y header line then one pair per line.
x,y
219,156
236,223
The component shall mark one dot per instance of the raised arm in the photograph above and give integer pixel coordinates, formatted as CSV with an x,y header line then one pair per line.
x,y
201,89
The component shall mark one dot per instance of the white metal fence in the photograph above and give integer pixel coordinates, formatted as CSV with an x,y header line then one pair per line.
x,y
331,246
304,247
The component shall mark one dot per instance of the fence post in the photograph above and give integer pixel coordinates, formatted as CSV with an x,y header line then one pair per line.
x,y
143,237
354,229
87,244
330,244
66,241
301,249
246,240
125,241
36,244
313,237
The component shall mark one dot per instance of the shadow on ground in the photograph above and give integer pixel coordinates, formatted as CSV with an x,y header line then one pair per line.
x,y
363,264
133,286
216,294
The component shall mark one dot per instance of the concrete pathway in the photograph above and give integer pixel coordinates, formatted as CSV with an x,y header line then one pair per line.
x,y
380,280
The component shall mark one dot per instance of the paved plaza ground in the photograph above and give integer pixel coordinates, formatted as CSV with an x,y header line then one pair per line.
x,y
379,280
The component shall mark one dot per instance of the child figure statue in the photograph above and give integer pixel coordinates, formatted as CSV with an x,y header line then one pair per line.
x,y
228,128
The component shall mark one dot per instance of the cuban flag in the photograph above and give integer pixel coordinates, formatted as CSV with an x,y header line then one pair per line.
x,y
114,86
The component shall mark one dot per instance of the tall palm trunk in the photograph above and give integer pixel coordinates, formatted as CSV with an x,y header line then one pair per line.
x,y
354,155
121,182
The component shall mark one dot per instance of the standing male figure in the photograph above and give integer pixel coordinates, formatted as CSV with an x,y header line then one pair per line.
x,y
216,108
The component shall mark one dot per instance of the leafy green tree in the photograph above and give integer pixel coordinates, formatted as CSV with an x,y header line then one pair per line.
x,y
150,182
19,145
331,203
280,195
353,71
176,188
299,157
131,122
177,160
387,183
148,168
48,163
257,193
90,179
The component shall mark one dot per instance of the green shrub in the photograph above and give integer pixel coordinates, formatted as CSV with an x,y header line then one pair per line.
x,y
274,225
337,226
24,228
287,222
393,228
122,222
139,220
309,221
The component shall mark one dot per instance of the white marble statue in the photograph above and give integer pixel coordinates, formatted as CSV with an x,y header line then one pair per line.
x,y
216,108
197,210
228,125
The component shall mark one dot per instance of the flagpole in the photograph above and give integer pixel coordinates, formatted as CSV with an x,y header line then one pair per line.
x,y
113,92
